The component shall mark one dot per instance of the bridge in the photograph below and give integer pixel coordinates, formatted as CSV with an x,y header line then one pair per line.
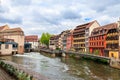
x,y
87,55
60,52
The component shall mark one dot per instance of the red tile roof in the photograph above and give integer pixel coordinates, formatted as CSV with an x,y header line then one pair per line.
x,y
87,25
105,27
31,38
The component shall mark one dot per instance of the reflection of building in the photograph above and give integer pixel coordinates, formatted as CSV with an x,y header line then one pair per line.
x,y
13,33
8,47
81,36
33,39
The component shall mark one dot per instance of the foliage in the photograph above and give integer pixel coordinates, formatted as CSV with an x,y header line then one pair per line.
x,y
20,75
58,48
96,52
45,38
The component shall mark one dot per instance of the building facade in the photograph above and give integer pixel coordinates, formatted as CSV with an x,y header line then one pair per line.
x,y
112,42
8,47
97,40
62,41
81,36
69,45
16,34
53,43
33,40
104,41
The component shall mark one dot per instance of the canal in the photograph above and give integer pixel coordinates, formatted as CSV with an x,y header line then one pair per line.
x,y
65,69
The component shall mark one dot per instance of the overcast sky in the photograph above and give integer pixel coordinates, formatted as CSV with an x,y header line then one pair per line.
x,y
54,16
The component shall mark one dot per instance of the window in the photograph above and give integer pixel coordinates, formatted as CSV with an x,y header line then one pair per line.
x,y
102,43
102,37
6,46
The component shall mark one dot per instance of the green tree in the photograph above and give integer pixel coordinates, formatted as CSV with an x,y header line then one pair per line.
x,y
96,52
45,37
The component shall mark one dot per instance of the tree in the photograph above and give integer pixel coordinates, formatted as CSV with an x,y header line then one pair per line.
x,y
96,52
45,39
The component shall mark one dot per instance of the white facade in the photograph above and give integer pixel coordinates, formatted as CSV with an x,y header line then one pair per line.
x,y
34,45
7,49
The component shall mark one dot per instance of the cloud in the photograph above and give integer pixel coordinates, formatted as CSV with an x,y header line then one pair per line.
x,y
21,3
54,16
70,14
11,21
3,9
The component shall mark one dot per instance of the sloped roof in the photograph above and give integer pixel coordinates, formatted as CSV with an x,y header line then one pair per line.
x,y
87,25
13,30
4,27
11,43
5,39
105,27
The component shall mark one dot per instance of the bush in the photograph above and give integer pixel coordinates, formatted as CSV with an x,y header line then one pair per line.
x,y
20,75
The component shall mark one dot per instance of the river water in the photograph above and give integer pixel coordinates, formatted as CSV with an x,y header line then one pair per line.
x,y
65,69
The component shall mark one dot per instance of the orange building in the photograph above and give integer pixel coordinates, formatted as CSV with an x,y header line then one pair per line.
x,y
69,44
98,42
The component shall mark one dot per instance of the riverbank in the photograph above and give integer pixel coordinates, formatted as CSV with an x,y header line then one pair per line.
x,y
22,71
96,58
59,68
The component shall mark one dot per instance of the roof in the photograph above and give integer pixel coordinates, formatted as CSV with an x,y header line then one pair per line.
x,y
31,38
4,27
13,30
105,27
27,43
5,39
0,42
87,25
11,43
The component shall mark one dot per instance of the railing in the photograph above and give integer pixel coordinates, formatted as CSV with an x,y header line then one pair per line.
x,y
112,41
112,34
79,38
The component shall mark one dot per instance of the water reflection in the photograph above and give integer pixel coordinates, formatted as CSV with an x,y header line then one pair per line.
x,y
90,70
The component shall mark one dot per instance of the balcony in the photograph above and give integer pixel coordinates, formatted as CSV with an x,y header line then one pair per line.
x,y
112,41
112,34
79,38
100,46
79,30
78,42
79,33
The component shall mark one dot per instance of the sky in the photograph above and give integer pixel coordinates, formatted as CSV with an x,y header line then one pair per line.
x,y
54,16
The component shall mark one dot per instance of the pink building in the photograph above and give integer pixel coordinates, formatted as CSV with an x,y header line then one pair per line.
x,y
69,40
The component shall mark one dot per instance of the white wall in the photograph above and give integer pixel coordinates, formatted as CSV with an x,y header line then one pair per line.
x,y
34,44
7,51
